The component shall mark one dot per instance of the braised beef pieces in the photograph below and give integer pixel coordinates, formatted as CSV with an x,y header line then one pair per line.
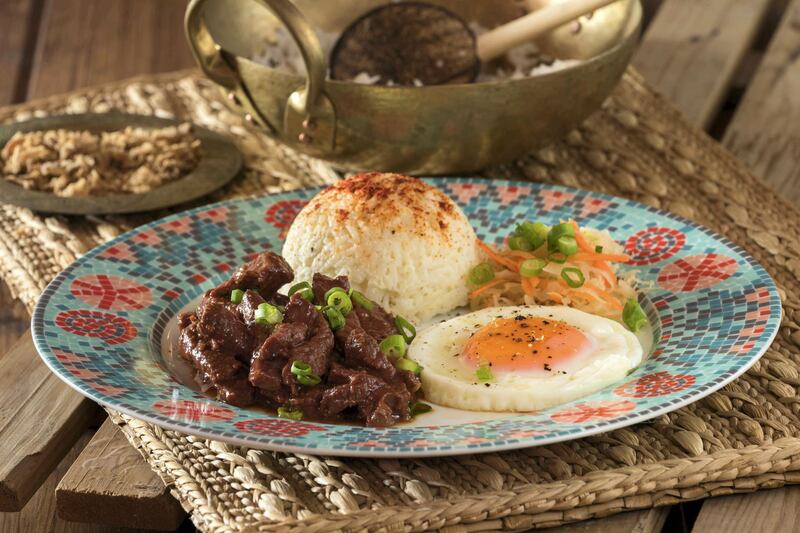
x,y
247,363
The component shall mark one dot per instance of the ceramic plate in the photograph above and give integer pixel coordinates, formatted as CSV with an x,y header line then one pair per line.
x,y
102,324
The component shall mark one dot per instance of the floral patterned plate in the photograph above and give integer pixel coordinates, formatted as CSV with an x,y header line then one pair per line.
x,y
101,324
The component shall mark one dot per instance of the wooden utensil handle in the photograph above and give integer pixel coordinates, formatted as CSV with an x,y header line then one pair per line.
x,y
496,42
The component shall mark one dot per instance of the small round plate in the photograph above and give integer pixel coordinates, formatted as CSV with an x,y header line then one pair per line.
x,y
101,324
220,161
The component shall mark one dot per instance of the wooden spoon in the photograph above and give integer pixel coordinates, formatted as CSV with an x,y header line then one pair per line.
x,y
413,43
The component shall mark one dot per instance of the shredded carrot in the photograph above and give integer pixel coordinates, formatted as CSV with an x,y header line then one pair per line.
x,y
584,293
520,254
496,256
613,302
583,244
586,256
611,278
529,285
483,288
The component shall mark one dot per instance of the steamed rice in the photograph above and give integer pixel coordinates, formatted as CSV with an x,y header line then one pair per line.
x,y
401,242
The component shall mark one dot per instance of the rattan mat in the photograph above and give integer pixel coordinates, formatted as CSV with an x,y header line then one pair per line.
x,y
742,438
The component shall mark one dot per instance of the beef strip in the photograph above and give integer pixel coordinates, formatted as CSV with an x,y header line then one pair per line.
x,y
361,350
303,336
379,403
220,322
266,273
316,348
216,367
376,321
322,284
273,353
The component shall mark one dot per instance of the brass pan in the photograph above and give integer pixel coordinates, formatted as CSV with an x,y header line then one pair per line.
x,y
443,129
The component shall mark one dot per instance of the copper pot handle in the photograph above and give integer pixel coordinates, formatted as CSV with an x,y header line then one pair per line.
x,y
309,117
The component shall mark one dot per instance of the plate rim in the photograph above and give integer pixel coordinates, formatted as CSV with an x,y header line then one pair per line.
x,y
273,444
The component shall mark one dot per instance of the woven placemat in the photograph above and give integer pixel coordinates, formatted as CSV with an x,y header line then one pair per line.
x,y
744,437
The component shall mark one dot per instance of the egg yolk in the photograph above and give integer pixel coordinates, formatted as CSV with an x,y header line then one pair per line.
x,y
525,343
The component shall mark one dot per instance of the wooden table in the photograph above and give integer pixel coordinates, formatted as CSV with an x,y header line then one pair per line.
x,y
732,66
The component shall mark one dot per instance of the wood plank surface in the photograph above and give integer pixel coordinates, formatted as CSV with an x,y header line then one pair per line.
x,y
110,484
765,130
19,20
769,511
40,513
648,521
40,420
691,51
86,42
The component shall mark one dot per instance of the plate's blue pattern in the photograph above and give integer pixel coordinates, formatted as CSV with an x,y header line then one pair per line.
x,y
99,324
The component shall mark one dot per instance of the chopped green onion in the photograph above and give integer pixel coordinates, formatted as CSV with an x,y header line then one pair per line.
x,y
291,414
633,315
300,368
558,231
237,295
340,300
557,257
405,328
567,245
481,274
532,267
333,290
598,249
268,315
484,373
394,346
305,290
361,300
310,380
407,364
334,317
319,307
573,276
520,243
418,408
533,232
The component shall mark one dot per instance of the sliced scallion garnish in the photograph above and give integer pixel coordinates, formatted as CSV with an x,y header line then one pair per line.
x,y
393,346
418,408
567,245
573,276
291,414
532,267
339,300
237,295
268,315
481,274
300,368
556,232
484,373
407,364
361,300
334,317
305,290
520,243
405,328
633,315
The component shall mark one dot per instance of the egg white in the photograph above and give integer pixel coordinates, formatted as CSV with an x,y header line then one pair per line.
x,y
447,380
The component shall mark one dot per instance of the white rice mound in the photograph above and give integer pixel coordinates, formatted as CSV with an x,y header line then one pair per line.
x,y
403,243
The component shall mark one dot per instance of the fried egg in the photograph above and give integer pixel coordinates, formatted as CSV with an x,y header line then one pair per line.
x,y
522,358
